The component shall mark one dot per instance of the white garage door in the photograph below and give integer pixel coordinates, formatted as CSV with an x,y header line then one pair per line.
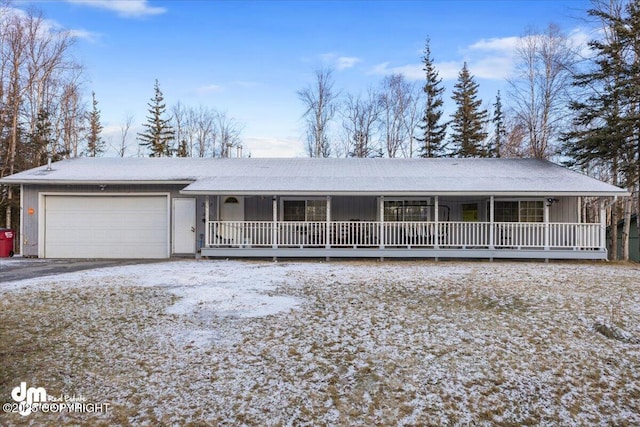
x,y
106,227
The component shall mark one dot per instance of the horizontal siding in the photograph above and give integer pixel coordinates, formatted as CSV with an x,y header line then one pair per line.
x,y
31,201
259,208
564,210
348,208
345,208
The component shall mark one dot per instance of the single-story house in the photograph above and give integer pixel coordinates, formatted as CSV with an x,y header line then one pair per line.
x,y
302,207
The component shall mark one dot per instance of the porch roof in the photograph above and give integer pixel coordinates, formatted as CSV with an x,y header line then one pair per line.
x,y
305,176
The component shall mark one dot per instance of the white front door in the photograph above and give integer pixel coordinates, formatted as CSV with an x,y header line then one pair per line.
x,y
184,226
232,209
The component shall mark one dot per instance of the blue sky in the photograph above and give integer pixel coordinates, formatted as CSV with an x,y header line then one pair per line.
x,y
250,58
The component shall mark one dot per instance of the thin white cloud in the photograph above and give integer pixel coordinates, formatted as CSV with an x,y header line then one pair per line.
x,y
124,8
85,35
489,59
580,39
344,62
410,71
273,147
493,59
507,44
49,26
202,90
339,62
446,70
491,68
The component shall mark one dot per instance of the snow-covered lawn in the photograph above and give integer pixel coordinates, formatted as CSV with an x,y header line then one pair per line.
x,y
340,343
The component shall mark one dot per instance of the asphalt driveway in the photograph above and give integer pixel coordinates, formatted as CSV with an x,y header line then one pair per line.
x,y
27,268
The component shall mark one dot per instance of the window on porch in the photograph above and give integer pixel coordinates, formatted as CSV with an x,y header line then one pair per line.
x,y
519,211
304,210
406,210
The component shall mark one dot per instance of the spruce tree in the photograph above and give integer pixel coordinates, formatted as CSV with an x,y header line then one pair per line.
x,y
159,133
95,144
607,122
41,143
494,149
469,120
182,150
433,132
606,118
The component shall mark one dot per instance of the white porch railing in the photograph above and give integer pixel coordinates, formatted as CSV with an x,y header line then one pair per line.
x,y
365,234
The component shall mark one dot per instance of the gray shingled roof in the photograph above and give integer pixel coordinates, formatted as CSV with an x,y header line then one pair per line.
x,y
266,176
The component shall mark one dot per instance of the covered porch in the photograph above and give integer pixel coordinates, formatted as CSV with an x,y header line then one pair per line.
x,y
433,226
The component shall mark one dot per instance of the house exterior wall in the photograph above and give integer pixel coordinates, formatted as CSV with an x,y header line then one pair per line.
x,y
365,208
345,208
564,210
259,208
31,200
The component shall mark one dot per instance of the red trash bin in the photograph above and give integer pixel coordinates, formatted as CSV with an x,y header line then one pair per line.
x,y
6,242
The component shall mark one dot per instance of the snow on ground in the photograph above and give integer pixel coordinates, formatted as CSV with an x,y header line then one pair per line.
x,y
341,343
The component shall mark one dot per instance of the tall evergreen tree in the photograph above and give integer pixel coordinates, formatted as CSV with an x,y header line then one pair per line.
x,y
183,149
607,122
159,133
41,143
469,120
494,149
433,131
95,143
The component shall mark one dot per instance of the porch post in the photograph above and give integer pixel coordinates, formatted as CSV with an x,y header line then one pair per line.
x,y
579,210
207,226
436,219
381,231
327,231
492,223
546,225
274,228
603,225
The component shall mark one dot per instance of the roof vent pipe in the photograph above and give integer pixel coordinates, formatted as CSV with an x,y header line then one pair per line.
x,y
49,162
239,151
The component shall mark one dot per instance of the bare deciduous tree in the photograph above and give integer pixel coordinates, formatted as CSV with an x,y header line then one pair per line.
x,y
203,123
539,90
359,118
319,101
228,130
397,96
179,123
38,78
124,132
70,120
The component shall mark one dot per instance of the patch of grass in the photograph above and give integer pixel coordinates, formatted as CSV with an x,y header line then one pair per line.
x,y
370,344
64,341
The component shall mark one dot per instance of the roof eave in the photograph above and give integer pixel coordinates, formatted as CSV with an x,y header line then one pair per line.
x,y
92,182
406,193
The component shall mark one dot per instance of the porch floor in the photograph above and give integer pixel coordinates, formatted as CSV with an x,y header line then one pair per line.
x,y
458,253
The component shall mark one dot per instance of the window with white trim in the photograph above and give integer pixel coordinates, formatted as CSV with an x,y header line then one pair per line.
x,y
304,210
531,211
406,210
519,211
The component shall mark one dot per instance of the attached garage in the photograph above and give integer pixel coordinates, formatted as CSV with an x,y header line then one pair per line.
x,y
114,226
